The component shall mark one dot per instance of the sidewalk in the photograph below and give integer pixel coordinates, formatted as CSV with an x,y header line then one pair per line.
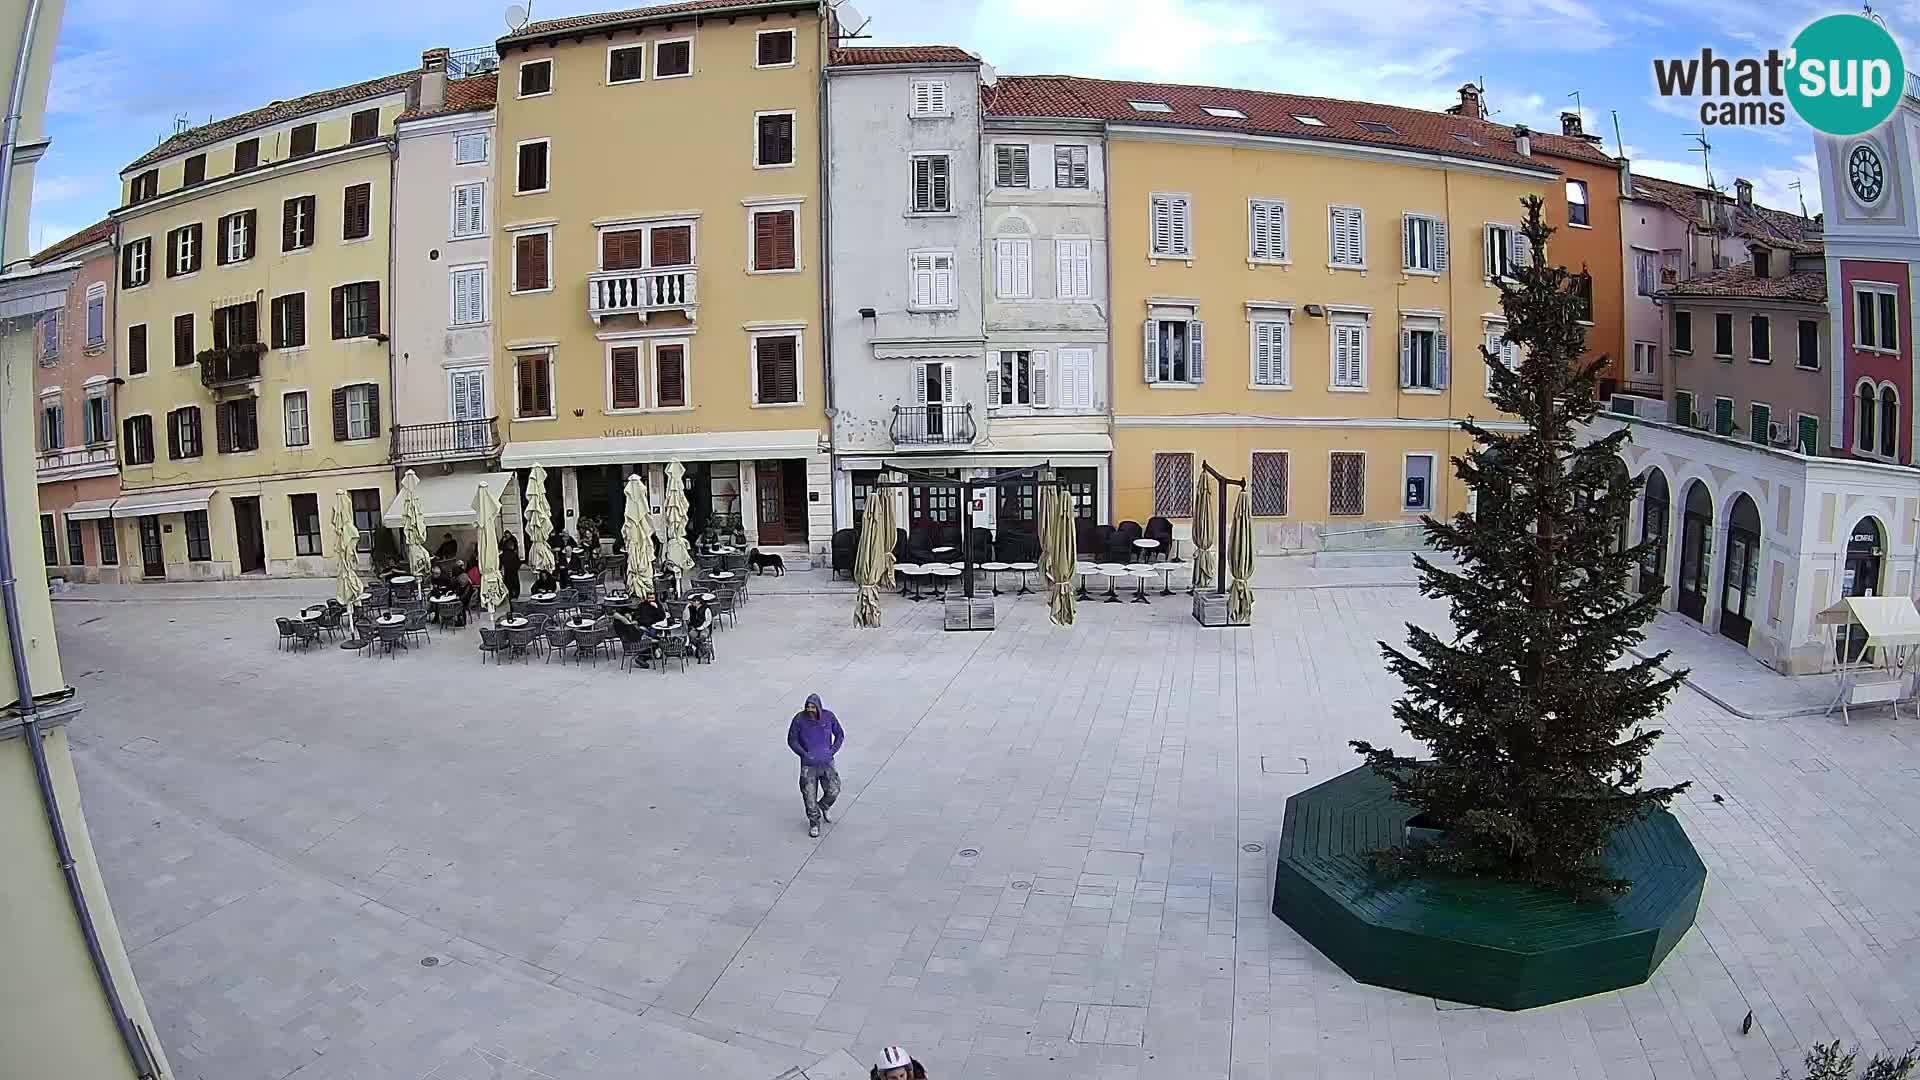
x,y
1731,678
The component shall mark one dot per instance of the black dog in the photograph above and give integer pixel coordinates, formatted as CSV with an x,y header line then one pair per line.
x,y
763,560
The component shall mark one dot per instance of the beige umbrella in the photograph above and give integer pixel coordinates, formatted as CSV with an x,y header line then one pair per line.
x,y
1203,538
678,556
539,523
1240,560
1056,552
636,532
413,525
873,560
888,526
486,523
346,552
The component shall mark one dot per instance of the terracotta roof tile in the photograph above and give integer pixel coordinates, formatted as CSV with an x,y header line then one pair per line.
x,y
1569,146
1754,223
615,18
474,94
92,234
1805,286
1266,113
901,54
208,134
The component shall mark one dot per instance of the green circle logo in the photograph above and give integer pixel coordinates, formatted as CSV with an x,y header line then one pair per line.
x,y
1847,75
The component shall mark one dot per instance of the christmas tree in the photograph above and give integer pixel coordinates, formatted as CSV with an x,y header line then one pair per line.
x,y
1534,724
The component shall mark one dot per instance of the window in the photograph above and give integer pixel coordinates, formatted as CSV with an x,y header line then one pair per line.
x,y
135,269
1172,227
774,244
1073,269
1173,485
296,223
1418,495
137,349
183,250
627,64
1423,358
669,376
1174,352
1073,379
109,542
1224,112
623,376
1864,413
1889,421
97,421
672,59
49,546
306,524
1722,334
929,98
1809,355
1346,236
531,175
932,284
1266,230
1759,421
96,316
671,245
470,209
1377,127
1807,434
236,425
530,265
1583,292
303,139
1646,273
1308,120
467,288
246,155
1643,361
293,408
145,186
1499,245
1349,355
183,433
773,48
536,78
1010,165
1723,416
1423,244
1272,357
1576,202
1503,350
289,315
356,310
366,514
1762,345
1347,485
776,369
1150,106
623,249
932,192
1070,167
53,424
183,351
1762,264
356,412
1267,483
236,237
365,126
533,385
1018,378
236,324
773,142
199,542
76,544
1876,323
1683,408
470,148
50,338
136,440
1683,331
356,215
1012,269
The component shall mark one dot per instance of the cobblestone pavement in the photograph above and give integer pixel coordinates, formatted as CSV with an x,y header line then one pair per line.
x,y
1044,864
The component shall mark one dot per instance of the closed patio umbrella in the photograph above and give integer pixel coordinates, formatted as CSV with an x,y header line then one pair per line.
x,y
486,524
884,496
1240,560
413,525
678,556
1203,538
539,523
636,532
346,552
873,560
1056,552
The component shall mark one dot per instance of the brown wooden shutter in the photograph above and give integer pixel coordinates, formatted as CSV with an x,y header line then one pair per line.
x,y
626,377
532,165
530,262
252,220
670,376
764,225
523,370
622,250
673,246
223,427
250,322
173,253
221,318
303,140
173,435
220,240
246,155
289,234
126,441
783,240
339,312
248,434
358,212
126,265
371,291
182,340
365,125
137,349
340,415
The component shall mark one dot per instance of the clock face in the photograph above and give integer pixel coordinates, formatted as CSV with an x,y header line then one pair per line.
x,y
1866,175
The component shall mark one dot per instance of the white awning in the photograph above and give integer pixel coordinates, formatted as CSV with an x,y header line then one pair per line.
x,y
90,510
1066,443
928,349
633,449
1888,620
448,500
145,504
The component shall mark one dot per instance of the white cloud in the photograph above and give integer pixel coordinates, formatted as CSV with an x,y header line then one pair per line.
x,y
56,188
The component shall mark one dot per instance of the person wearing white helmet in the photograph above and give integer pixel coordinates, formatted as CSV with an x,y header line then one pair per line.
x,y
896,1064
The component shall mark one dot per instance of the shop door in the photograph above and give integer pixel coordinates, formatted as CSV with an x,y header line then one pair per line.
x,y
246,534
770,479
152,564
793,486
1695,549
1737,589
1861,577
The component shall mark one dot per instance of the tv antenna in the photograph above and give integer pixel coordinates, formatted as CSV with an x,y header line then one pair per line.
x,y
517,16
1705,150
1795,186
1619,144
181,123
1867,10
1577,110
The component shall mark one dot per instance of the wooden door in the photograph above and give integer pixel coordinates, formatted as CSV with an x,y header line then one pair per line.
x,y
246,532
793,482
772,503
152,563
1737,588
1695,567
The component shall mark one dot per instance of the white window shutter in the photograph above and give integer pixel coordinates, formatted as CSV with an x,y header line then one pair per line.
x,y
920,383
1023,268
937,96
922,281
1342,356
1162,227
1040,390
1406,358
1063,269
1262,351
946,383
1440,363
993,382
1196,351
1406,241
1257,233
1522,248
1277,353
1182,223
942,281
1440,245
1002,268
1151,350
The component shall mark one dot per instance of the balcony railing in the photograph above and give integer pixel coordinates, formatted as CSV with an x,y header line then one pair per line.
x,y
233,365
451,441
642,292
74,462
932,425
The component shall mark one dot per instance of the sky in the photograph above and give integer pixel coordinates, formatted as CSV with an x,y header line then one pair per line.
x,y
125,69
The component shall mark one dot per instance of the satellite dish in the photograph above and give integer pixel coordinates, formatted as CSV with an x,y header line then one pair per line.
x,y
851,21
517,16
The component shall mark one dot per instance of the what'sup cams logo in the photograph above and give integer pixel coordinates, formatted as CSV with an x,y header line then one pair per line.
x,y
1843,76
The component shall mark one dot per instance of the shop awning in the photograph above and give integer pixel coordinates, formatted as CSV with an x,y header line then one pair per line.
x,y
633,449
1888,620
448,500
90,510
148,503
928,349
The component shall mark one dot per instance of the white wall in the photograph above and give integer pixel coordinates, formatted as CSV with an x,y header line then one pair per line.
x,y
426,344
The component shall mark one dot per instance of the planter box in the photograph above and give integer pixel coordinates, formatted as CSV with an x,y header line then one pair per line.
x,y
1210,609
964,614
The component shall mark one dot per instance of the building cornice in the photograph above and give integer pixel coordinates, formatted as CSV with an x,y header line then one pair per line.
x,y
441,123
1234,420
1360,151
1044,125
834,70
237,181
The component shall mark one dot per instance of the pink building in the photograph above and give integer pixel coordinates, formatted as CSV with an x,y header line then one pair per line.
x,y
74,428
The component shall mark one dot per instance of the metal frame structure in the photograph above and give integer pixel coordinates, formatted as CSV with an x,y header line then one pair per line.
x,y
1041,475
1220,535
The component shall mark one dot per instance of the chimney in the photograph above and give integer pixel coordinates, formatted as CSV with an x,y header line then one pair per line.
x,y
1626,177
1469,106
433,79
1522,141
1570,125
1743,192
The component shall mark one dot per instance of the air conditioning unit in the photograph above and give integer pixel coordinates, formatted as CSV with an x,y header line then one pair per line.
x,y
1623,405
1778,435
1702,421
1669,276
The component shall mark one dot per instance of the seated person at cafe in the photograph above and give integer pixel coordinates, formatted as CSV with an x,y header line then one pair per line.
x,y
545,583
700,627
448,548
648,611
631,631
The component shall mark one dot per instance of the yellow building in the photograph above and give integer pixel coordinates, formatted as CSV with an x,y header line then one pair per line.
x,y
251,321
658,240
1306,283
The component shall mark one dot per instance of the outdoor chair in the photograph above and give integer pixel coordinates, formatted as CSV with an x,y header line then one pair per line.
x,y
416,625
1083,536
390,636
330,622
677,610
674,647
735,563
723,608
557,639
519,640
589,642
981,541
920,544
376,596
1017,545
706,564
286,633
1159,528
900,545
702,643
1120,547
636,651
492,643
449,612
846,544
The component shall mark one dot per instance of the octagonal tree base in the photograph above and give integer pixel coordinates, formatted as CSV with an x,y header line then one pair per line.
x,y
1489,943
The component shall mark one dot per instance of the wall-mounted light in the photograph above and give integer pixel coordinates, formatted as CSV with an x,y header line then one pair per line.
x,y
1316,311
869,313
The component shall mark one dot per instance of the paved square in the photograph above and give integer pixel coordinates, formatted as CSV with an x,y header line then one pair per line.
x,y
1051,859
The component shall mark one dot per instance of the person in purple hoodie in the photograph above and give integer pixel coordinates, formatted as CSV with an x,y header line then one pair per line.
x,y
814,736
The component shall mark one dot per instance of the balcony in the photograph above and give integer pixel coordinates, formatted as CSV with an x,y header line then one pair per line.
x,y
77,463
231,367
456,440
916,426
642,292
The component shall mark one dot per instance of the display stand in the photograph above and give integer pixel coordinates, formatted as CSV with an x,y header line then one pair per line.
x,y
1210,604
1878,666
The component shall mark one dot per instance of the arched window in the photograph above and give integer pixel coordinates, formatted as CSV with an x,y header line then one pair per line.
x,y
1863,420
1889,420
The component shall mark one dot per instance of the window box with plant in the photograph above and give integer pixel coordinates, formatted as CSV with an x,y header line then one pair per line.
x,y
223,365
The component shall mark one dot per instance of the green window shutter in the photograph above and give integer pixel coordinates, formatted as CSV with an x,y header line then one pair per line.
x,y
1762,419
1722,416
1683,408
1809,435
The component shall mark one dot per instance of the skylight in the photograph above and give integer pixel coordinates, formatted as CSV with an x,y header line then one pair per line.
x,y
1466,138
1377,127
1225,112
1150,106
1309,120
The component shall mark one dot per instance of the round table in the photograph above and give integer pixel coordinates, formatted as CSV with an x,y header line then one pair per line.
x,y
944,549
721,575
996,569
942,576
909,574
1112,572
1084,569
705,597
1165,570
1146,548
666,626
513,622
391,618
579,624
402,580
1025,568
544,597
1142,575
619,597
583,579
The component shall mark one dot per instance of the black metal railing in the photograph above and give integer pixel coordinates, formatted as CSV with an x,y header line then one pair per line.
x,y
230,364
453,439
932,425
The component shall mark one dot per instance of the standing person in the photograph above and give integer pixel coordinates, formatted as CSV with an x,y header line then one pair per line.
x,y
448,547
510,565
815,736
